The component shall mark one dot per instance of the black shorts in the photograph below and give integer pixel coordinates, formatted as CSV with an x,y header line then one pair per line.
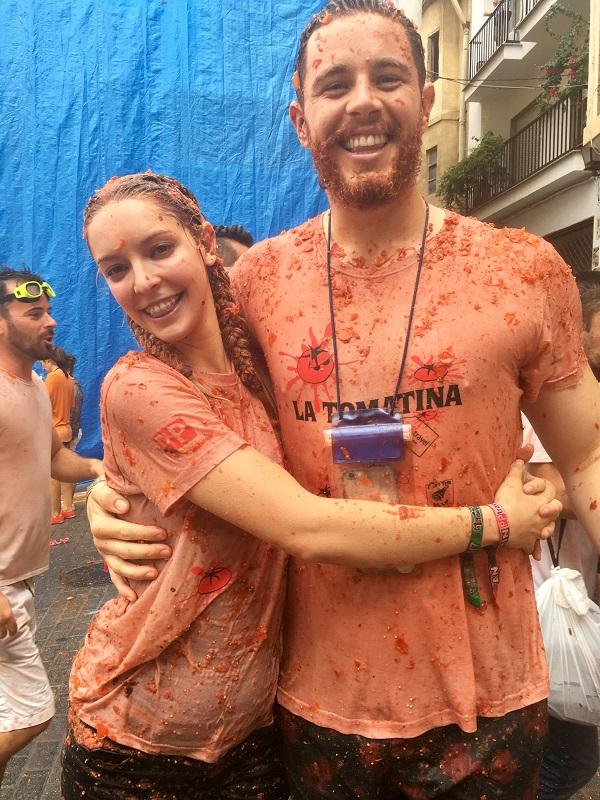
x,y
500,760
251,771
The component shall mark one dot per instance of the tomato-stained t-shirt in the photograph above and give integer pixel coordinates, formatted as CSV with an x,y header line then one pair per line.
x,y
25,458
191,667
497,318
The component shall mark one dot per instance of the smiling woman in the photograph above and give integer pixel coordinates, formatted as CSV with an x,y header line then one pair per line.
x,y
151,264
186,673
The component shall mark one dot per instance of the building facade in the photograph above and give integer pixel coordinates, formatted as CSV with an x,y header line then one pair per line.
x,y
546,176
445,33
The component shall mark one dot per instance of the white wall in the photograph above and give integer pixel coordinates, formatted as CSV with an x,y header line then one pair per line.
x,y
562,210
412,9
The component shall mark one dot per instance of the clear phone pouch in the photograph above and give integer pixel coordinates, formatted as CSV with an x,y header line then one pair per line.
x,y
367,446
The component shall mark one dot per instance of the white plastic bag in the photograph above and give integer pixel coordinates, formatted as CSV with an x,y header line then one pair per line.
x,y
570,624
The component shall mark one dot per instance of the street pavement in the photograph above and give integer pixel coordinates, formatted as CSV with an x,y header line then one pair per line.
x,y
68,596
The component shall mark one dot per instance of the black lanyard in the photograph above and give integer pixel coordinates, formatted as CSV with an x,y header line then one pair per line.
x,y
410,315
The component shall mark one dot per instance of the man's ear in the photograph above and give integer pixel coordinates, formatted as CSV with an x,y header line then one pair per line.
x,y
299,122
427,101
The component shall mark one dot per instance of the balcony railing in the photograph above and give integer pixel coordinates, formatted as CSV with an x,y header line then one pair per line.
x,y
553,134
499,28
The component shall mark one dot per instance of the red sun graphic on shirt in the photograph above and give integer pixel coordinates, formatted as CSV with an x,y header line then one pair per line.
x,y
314,366
437,369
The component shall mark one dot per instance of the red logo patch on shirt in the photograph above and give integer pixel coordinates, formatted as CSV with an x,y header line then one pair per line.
x,y
175,436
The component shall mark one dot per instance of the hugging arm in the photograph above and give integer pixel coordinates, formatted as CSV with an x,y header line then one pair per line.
x,y
250,491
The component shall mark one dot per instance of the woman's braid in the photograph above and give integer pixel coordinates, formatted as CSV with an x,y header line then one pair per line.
x,y
234,330
159,349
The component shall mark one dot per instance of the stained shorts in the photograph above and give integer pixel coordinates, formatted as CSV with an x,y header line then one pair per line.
x,y
250,771
499,762
26,698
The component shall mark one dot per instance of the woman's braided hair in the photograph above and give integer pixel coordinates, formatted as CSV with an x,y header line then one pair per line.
x,y
340,8
179,201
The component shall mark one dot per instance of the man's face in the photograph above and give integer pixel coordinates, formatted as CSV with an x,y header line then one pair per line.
x,y
363,112
591,343
27,329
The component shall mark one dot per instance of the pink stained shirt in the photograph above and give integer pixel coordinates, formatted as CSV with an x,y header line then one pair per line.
x,y
25,455
190,668
497,318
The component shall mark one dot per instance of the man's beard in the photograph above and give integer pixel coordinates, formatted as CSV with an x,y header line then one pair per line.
x,y
369,188
33,348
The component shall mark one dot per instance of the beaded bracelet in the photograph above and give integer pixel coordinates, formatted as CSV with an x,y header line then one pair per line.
x,y
502,522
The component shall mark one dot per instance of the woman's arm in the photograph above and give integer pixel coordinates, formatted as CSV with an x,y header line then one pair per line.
x,y
250,491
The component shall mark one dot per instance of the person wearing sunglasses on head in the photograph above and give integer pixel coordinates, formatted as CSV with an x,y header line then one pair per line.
x,y
30,449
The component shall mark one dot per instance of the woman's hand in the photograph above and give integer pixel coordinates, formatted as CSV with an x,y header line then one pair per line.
x,y
531,508
122,543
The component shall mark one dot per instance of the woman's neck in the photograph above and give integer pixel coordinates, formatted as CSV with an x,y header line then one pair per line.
x,y
205,351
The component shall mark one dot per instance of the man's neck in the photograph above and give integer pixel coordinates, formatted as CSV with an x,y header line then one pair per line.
x,y
16,365
366,231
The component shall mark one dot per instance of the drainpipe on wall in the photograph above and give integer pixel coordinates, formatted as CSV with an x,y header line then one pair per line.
x,y
464,71
590,152
596,233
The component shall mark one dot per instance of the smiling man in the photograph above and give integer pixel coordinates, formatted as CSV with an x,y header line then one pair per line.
x,y
30,451
404,685
431,683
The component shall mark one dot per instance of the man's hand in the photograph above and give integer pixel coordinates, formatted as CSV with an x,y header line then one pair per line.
x,y
8,623
122,543
531,507
536,484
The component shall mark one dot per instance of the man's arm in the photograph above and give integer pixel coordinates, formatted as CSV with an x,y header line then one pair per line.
x,y
568,424
68,467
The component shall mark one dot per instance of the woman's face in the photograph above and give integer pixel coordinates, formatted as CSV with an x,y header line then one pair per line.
x,y
155,270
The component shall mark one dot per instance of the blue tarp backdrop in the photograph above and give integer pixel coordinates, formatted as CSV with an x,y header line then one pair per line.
x,y
197,89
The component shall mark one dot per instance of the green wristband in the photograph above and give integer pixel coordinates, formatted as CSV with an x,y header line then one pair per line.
x,y
470,583
476,529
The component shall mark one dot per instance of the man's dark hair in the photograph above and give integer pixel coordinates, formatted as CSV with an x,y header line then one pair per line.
x,y
590,279
17,275
226,234
236,232
341,8
589,291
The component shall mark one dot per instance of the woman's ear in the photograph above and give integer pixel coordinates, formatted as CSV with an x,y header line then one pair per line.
x,y
208,240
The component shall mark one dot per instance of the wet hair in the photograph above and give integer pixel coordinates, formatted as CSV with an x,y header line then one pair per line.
x,y
236,232
344,8
71,361
61,359
181,203
17,275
